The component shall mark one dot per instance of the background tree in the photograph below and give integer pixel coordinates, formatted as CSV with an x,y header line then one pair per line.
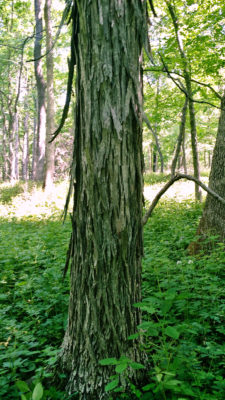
x,y
50,121
212,221
40,82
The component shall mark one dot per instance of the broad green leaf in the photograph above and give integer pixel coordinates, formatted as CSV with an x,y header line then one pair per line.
x,y
172,332
108,361
172,383
135,365
112,385
38,392
22,386
120,368
148,387
134,336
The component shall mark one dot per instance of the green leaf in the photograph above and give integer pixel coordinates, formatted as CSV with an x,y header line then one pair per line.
x,y
148,387
22,386
172,383
112,385
23,397
120,368
135,365
108,361
172,332
134,336
38,392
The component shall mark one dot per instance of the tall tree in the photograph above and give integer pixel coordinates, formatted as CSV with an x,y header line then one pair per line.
x,y
180,139
50,124
41,120
189,91
107,38
213,218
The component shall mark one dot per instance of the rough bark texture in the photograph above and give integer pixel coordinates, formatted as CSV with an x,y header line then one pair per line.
x,y
41,120
213,218
107,217
50,124
180,139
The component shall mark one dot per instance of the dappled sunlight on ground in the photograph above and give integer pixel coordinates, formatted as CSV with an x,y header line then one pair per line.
x,y
179,191
34,202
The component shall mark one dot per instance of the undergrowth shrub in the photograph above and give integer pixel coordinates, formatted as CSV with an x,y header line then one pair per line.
x,y
152,178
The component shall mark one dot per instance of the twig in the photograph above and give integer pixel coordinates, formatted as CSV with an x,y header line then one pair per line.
x,y
177,177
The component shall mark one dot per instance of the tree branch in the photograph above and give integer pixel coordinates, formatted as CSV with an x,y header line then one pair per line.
x,y
160,69
177,177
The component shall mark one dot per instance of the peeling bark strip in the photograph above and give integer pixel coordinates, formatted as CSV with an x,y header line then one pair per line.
x,y
107,171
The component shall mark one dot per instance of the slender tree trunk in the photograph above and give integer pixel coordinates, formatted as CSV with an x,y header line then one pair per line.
x,y
4,147
187,77
12,132
107,171
213,218
154,133
50,125
194,143
180,139
17,152
25,156
41,118
34,143
184,160
155,161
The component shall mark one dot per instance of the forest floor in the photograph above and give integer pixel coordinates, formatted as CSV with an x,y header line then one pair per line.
x,y
181,190
183,303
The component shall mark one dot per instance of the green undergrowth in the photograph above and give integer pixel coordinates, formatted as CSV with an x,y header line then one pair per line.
x,y
183,308
153,178
33,298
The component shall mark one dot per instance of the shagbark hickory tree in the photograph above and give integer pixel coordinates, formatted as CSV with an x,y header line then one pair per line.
x,y
106,246
213,218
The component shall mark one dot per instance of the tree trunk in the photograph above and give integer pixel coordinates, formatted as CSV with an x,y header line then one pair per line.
x,y
213,218
184,160
107,215
4,147
41,118
180,137
12,132
25,156
50,125
194,143
154,161
34,143
187,77
17,152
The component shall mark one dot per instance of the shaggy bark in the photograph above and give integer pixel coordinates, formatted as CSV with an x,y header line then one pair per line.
x,y
106,245
213,218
